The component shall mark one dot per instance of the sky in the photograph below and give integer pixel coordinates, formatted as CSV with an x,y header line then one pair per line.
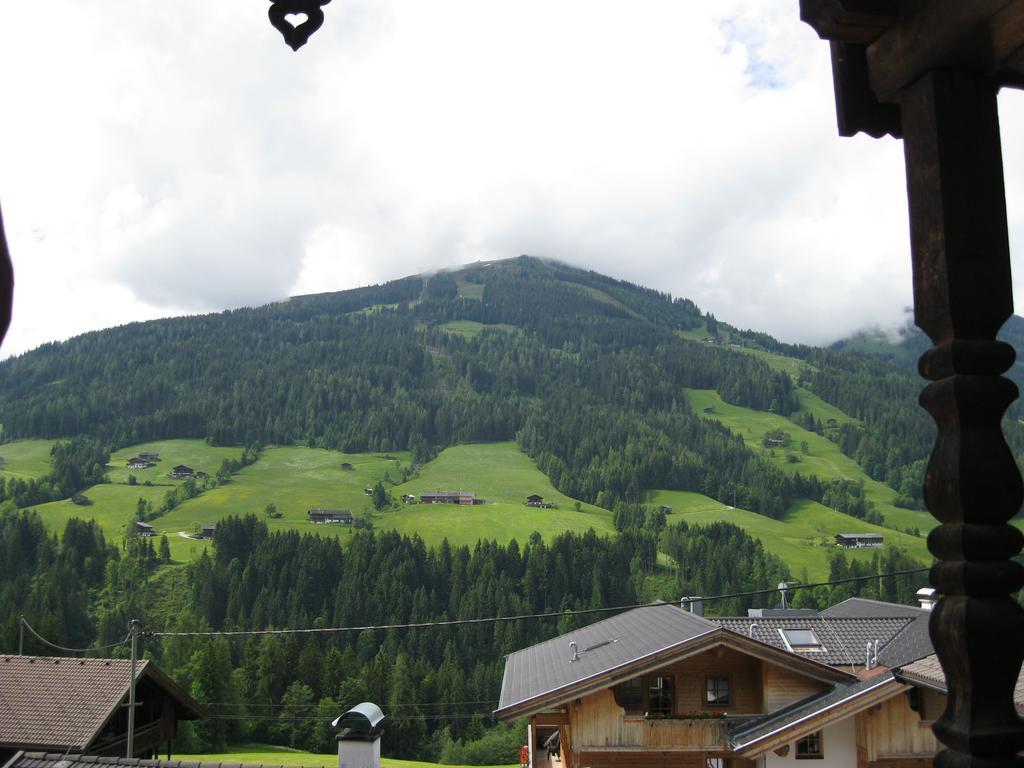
x,y
164,157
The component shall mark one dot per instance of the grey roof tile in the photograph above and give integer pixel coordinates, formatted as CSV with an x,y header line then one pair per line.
x,y
602,647
844,639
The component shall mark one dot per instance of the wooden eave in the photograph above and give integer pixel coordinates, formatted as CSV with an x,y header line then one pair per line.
x,y
879,47
817,720
559,697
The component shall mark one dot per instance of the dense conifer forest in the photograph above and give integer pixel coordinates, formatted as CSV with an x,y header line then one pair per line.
x,y
438,685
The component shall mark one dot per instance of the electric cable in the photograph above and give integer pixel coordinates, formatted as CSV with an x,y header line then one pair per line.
x,y
40,638
522,617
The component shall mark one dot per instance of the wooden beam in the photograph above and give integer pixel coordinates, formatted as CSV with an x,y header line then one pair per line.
x,y
849,21
983,37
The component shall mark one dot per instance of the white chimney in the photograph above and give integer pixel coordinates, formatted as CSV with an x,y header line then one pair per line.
x,y
927,597
693,604
359,731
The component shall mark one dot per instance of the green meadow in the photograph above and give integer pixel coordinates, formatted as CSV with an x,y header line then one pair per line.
x,y
504,476
25,459
802,538
192,453
113,507
823,458
295,480
269,755
471,328
469,290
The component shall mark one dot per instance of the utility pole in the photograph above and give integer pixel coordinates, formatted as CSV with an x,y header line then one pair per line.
x,y
21,636
131,688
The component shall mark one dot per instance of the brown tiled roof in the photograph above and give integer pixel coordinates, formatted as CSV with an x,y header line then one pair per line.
x,y
928,672
62,703
43,760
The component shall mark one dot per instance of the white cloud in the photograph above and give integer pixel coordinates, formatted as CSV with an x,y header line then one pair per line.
x,y
179,157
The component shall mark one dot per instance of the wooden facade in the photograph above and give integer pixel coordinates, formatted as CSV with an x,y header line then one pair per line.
x,y
885,725
891,732
596,731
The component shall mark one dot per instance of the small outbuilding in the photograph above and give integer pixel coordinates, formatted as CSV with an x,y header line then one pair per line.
x,y
330,516
859,540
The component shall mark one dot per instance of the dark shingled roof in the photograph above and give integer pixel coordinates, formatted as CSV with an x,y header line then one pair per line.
x,y
602,647
62,703
844,639
750,731
51,760
859,607
911,644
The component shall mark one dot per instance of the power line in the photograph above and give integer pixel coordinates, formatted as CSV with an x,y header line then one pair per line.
x,y
40,638
525,616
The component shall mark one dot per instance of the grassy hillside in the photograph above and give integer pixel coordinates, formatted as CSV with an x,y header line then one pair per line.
x,y
25,459
823,458
502,474
113,507
192,453
471,328
803,538
294,479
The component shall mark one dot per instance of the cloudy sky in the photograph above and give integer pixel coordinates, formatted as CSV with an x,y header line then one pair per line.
x,y
161,157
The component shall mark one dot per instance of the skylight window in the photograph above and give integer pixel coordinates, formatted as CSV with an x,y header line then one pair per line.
x,y
801,640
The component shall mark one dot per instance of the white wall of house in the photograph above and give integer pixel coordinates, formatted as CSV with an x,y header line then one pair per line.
x,y
839,747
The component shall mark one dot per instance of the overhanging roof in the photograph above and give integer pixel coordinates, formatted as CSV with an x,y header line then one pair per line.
x,y
928,673
756,737
547,675
63,703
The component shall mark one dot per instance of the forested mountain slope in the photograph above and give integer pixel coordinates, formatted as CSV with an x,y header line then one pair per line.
x,y
586,372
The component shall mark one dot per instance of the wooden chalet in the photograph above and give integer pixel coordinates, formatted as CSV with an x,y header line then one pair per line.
x,y
137,462
208,531
858,540
144,529
182,471
663,687
330,516
57,704
537,501
466,498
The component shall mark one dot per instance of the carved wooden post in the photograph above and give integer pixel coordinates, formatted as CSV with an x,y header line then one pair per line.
x,y
941,62
962,296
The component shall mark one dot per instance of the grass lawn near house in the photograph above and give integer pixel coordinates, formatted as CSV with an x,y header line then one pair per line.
x,y
803,538
823,459
504,476
268,754
25,459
